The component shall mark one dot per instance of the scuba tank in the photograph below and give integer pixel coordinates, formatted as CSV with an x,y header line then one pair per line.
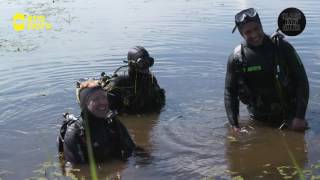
x,y
68,119
104,79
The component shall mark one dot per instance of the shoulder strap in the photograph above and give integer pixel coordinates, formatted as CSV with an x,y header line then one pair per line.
x,y
239,58
276,38
281,66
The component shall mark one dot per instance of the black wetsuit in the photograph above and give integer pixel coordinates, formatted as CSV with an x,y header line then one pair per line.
x,y
252,79
135,93
109,139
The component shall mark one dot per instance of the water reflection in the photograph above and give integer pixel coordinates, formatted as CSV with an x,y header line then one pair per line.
x,y
141,128
266,153
109,170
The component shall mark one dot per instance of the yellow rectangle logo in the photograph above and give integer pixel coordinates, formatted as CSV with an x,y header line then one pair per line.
x,y
23,22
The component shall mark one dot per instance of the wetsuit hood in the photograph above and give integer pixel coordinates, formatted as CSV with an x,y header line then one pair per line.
x,y
139,59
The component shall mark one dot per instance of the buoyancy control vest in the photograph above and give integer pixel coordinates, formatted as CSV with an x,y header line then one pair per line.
x,y
279,74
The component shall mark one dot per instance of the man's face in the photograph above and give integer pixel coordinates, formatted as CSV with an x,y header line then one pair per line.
x,y
98,104
252,32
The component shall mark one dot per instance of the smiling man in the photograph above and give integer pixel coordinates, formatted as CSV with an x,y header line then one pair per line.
x,y
97,128
267,75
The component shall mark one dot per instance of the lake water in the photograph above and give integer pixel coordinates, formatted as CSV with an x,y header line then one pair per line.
x,y
190,41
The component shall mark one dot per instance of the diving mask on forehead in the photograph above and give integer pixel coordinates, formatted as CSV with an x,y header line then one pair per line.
x,y
245,16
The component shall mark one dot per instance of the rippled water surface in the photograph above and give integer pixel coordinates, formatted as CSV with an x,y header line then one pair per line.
x,y
190,41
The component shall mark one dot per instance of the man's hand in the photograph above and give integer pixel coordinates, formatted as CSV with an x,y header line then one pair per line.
x,y
299,124
239,130
235,129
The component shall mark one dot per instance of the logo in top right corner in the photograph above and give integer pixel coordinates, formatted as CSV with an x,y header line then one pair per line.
x,y
291,21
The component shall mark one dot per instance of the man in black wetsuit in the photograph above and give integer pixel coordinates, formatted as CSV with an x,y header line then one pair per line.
x,y
96,131
136,91
267,75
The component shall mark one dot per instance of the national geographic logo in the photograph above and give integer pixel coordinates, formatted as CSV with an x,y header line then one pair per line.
x,y
22,22
291,21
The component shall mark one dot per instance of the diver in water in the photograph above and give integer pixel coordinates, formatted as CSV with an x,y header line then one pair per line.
x,y
96,133
136,91
267,75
